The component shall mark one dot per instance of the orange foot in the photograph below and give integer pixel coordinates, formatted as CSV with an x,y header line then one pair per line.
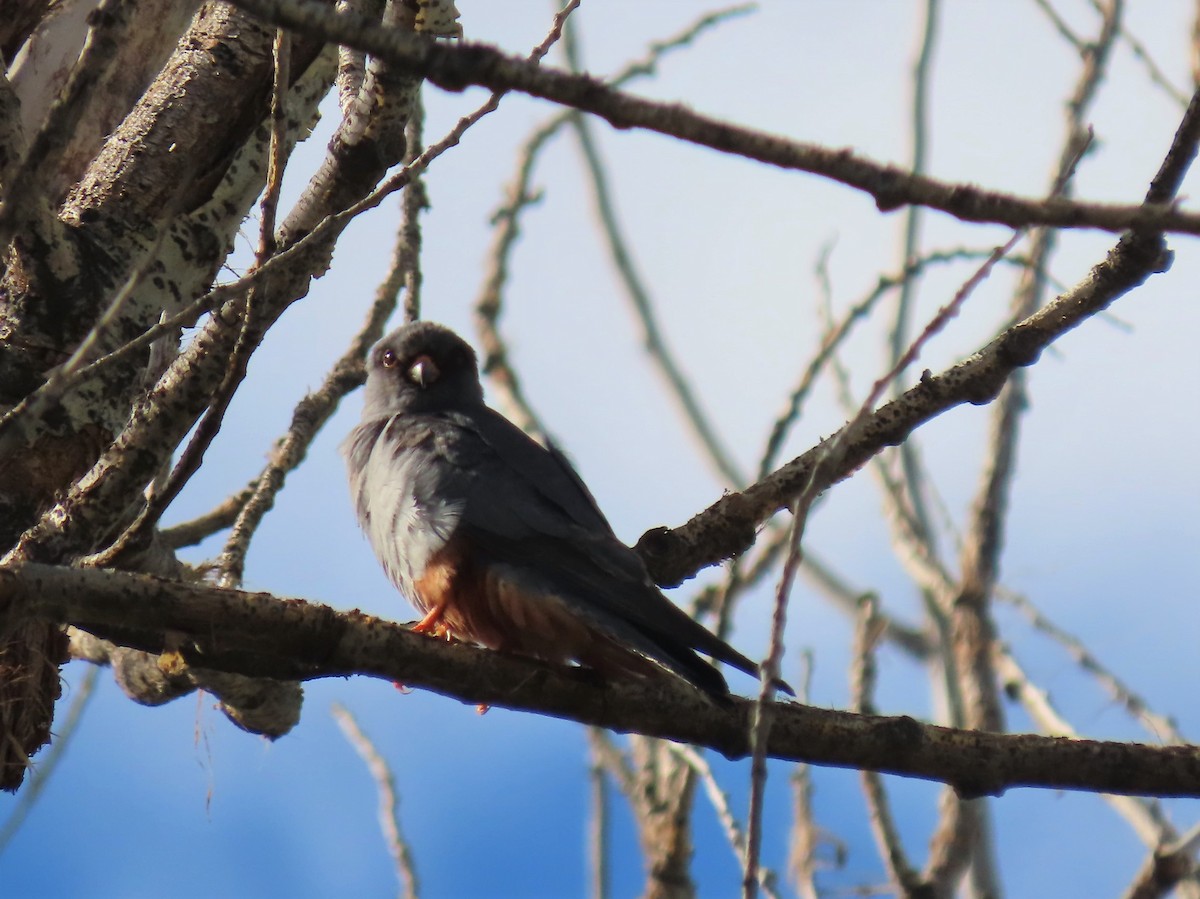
x,y
432,623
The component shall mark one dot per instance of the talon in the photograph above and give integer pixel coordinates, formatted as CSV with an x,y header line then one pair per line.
x,y
403,688
432,622
482,708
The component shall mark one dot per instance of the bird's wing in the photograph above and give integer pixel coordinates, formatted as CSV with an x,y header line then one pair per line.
x,y
545,468
526,507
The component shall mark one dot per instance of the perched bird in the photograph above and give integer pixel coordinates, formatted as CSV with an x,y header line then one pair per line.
x,y
493,537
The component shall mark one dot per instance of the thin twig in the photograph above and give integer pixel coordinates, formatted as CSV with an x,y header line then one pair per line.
x,y
912,477
597,837
720,803
518,196
959,819
455,68
836,335
84,691
269,205
1195,47
806,835
762,719
961,838
1161,727
221,516
1064,30
1142,55
277,150
831,458
389,802
1143,815
348,373
898,339
867,633
653,339
414,201
915,548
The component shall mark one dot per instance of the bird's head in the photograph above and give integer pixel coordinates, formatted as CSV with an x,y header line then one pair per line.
x,y
421,367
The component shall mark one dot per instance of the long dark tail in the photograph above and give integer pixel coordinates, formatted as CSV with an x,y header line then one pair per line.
x,y
701,674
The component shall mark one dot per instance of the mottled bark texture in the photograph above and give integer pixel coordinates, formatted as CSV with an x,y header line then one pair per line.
x,y
136,177
268,636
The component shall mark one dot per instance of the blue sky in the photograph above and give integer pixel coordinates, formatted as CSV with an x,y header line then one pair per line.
x,y
1103,529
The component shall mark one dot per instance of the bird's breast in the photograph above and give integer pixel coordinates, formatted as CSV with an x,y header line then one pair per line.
x,y
407,505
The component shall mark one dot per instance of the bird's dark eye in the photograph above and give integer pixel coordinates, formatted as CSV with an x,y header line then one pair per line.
x,y
389,359
423,372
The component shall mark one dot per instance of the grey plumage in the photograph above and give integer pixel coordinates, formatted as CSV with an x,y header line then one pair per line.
x,y
465,510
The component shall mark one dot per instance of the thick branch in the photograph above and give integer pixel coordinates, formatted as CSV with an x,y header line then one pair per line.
x,y
460,66
728,526
260,635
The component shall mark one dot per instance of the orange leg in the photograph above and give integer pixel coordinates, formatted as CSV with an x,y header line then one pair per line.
x,y
432,622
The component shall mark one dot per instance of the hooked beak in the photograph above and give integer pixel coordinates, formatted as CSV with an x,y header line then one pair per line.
x,y
423,372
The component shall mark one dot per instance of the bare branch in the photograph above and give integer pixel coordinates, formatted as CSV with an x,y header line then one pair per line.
x,y
763,720
1143,816
277,153
1065,31
597,839
49,763
832,457
653,340
455,68
720,804
962,837
506,221
613,760
899,337
257,634
914,481
1167,868
389,801
662,802
221,516
406,262
1161,727
348,373
806,835
727,527
867,633
837,333
26,184
1142,55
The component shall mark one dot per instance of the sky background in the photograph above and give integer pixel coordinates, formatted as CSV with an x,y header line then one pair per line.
x,y
1103,528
